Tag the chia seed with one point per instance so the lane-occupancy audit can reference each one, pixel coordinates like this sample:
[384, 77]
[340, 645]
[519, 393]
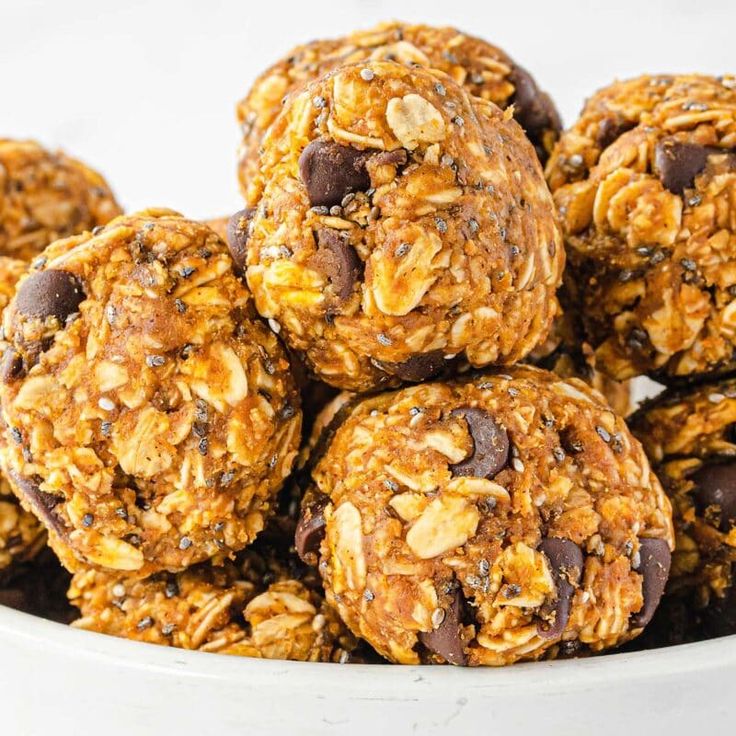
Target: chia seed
[185, 543]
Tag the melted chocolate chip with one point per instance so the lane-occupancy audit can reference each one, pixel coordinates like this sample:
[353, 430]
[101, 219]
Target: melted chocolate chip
[490, 444]
[310, 530]
[337, 259]
[43, 503]
[11, 366]
[49, 294]
[330, 171]
[419, 367]
[611, 129]
[677, 164]
[715, 492]
[655, 569]
[533, 109]
[446, 639]
[237, 236]
[566, 560]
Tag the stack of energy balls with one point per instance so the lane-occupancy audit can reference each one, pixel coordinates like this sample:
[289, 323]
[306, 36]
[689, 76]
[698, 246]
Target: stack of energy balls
[353, 421]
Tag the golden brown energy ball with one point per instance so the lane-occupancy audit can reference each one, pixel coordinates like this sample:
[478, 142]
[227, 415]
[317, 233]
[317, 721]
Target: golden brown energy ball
[503, 517]
[45, 196]
[151, 416]
[401, 225]
[484, 70]
[690, 437]
[255, 606]
[645, 182]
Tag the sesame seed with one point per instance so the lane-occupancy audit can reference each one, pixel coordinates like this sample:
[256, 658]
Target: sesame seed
[144, 623]
[106, 404]
[87, 520]
[575, 160]
[39, 262]
[187, 271]
[153, 361]
[111, 314]
[438, 616]
[603, 434]
[716, 398]
[185, 543]
[367, 74]
[447, 160]
[392, 485]
[402, 250]
[227, 477]
[440, 89]
[274, 325]
[473, 225]
[118, 590]
[415, 410]
[368, 595]
[559, 454]
[484, 567]
[517, 465]
[695, 200]
[319, 102]
[384, 339]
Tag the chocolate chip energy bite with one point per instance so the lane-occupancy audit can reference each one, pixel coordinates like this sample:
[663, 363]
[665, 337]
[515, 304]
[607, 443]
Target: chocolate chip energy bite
[504, 517]
[690, 436]
[645, 183]
[256, 606]
[401, 224]
[45, 196]
[151, 416]
[484, 70]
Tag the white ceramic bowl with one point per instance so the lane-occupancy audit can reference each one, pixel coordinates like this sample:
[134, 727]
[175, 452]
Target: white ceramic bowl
[60, 681]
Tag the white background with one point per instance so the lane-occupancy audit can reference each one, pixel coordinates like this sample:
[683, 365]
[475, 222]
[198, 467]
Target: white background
[144, 90]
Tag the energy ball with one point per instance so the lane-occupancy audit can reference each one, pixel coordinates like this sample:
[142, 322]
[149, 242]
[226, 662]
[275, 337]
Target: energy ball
[45, 196]
[256, 606]
[503, 517]
[151, 416]
[219, 225]
[402, 226]
[484, 70]
[645, 182]
[690, 437]
[21, 535]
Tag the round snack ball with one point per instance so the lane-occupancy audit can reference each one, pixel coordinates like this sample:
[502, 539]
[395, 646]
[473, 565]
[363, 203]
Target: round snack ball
[484, 70]
[45, 196]
[484, 521]
[151, 415]
[256, 606]
[644, 182]
[401, 224]
[219, 225]
[690, 437]
[21, 535]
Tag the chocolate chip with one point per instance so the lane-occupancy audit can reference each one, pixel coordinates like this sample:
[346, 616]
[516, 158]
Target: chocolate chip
[533, 109]
[566, 560]
[611, 129]
[715, 491]
[490, 444]
[655, 569]
[337, 259]
[446, 639]
[677, 164]
[49, 294]
[310, 530]
[237, 235]
[43, 504]
[11, 366]
[330, 171]
[417, 368]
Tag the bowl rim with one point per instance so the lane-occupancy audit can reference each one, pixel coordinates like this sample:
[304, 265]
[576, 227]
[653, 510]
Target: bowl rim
[44, 638]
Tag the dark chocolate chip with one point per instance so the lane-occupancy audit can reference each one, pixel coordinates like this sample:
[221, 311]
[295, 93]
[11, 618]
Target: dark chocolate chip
[337, 259]
[43, 503]
[49, 294]
[715, 490]
[330, 171]
[677, 164]
[490, 444]
[654, 568]
[446, 639]
[566, 560]
[419, 367]
[533, 109]
[237, 236]
[611, 129]
[11, 366]
[310, 530]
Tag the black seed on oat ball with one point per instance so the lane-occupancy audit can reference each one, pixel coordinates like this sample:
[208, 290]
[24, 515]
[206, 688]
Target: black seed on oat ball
[446, 639]
[490, 445]
[49, 294]
[330, 171]
[566, 560]
[237, 235]
[655, 569]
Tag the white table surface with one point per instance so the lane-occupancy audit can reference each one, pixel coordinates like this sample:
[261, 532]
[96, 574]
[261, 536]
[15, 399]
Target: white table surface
[144, 90]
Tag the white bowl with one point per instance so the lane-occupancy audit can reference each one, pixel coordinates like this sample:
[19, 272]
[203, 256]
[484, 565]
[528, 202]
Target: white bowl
[57, 680]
